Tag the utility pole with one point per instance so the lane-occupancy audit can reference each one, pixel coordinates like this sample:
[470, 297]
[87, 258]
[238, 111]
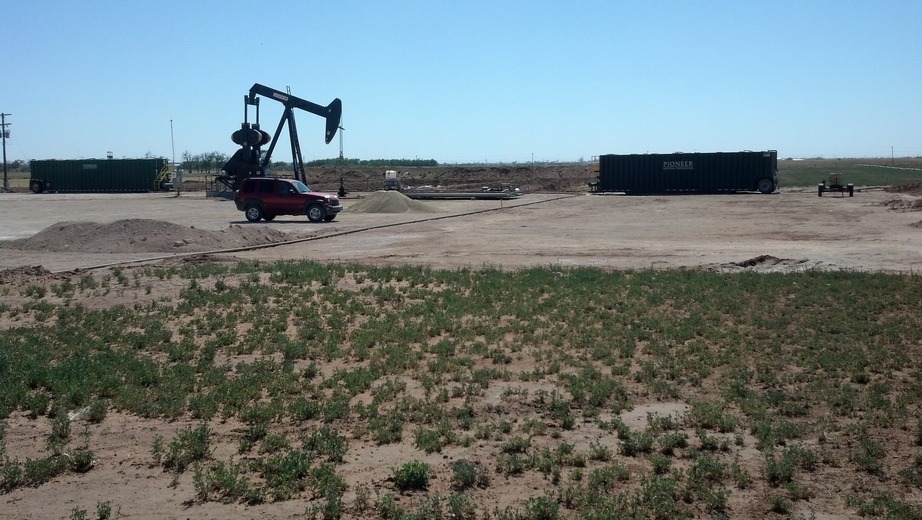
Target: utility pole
[177, 172]
[6, 133]
[341, 130]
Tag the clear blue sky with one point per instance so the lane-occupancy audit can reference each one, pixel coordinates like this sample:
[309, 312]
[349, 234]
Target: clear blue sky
[467, 81]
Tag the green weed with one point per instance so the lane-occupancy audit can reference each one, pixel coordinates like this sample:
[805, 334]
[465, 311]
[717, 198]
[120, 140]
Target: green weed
[467, 475]
[190, 445]
[868, 455]
[413, 475]
[461, 507]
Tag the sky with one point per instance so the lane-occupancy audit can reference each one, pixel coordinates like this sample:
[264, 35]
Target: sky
[496, 81]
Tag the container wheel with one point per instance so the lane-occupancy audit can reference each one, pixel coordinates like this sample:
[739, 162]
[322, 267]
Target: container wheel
[316, 213]
[269, 217]
[329, 218]
[37, 186]
[766, 186]
[253, 213]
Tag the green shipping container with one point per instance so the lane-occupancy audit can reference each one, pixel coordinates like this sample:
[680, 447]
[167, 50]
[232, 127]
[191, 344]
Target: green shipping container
[95, 175]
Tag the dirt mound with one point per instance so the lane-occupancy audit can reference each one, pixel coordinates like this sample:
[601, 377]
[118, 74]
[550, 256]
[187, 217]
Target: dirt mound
[768, 264]
[903, 204]
[911, 188]
[142, 236]
[8, 276]
[766, 260]
[390, 202]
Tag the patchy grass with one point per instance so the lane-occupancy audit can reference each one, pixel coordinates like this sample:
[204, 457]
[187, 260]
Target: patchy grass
[790, 380]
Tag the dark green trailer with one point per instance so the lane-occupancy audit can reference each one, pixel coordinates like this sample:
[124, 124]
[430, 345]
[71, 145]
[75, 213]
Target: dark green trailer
[718, 172]
[98, 175]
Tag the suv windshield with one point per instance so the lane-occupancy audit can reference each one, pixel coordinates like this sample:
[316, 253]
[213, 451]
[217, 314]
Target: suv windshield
[301, 187]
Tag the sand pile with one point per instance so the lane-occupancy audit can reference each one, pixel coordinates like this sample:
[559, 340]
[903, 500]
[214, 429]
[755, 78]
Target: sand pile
[142, 236]
[390, 202]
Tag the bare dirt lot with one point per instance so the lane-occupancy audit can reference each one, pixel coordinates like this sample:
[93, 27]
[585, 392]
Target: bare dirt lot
[794, 230]
[876, 230]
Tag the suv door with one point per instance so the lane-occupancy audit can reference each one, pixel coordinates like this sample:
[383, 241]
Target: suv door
[266, 192]
[288, 198]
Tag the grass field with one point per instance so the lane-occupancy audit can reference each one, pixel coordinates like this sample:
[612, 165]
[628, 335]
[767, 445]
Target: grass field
[792, 381]
[860, 172]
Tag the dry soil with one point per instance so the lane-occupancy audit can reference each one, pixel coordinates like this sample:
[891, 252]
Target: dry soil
[875, 230]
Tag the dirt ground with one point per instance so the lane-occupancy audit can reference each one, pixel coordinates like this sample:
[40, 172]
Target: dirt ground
[875, 230]
[793, 230]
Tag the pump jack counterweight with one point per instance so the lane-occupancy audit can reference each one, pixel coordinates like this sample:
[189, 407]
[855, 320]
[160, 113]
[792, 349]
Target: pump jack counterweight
[249, 160]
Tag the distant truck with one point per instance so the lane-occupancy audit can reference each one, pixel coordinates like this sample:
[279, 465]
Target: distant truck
[99, 175]
[718, 172]
[391, 181]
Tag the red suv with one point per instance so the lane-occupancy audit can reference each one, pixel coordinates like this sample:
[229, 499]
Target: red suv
[265, 197]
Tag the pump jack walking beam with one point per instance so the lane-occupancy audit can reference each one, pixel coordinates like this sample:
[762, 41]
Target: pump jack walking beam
[249, 160]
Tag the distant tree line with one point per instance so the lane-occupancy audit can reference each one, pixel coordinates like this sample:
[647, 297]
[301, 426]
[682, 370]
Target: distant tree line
[213, 161]
[203, 162]
[17, 166]
[371, 162]
[206, 163]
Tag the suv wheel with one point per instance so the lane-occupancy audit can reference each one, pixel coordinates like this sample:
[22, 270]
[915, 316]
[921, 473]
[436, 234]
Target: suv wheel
[316, 213]
[253, 213]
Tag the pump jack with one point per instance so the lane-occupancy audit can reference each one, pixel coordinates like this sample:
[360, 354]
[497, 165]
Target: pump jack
[249, 160]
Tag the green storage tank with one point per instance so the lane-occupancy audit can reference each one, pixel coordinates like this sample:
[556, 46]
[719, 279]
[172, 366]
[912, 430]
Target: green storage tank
[96, 175]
